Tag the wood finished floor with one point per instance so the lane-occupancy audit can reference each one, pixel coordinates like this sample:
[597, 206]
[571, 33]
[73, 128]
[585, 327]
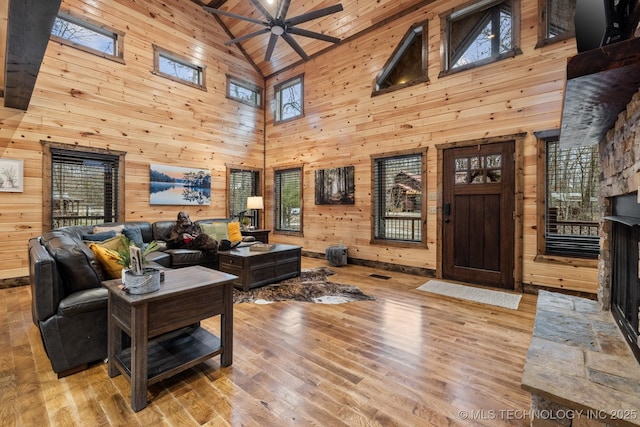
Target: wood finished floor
[409, 358]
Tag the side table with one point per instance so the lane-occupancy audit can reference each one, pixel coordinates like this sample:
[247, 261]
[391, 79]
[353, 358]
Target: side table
[164, 327]
[260, 234]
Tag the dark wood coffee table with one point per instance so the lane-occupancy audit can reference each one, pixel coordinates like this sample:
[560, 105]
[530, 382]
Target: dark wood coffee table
[164, 326]
[258, 268]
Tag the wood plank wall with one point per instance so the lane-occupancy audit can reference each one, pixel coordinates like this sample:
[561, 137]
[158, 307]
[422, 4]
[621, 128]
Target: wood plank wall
[344, 125]
[86, 100]
[81, 99]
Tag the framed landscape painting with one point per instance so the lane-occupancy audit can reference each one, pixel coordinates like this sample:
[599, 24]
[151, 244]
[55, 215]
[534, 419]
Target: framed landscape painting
[176, 185]
[335, 186]
[12, 175]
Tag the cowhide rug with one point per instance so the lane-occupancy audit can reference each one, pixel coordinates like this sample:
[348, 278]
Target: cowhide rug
[311, 286]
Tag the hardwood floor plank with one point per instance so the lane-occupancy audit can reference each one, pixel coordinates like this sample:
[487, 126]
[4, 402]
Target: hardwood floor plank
[407, 358]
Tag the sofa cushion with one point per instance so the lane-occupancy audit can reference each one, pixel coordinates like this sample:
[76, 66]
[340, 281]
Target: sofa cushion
[217, 230]
[185, 257]
[162, 230]
[84, 301]
[99, 237]
[134, 234]
[109, 260]
[76, 263]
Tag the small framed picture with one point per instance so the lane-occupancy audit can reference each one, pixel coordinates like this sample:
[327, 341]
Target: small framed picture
[11, 175]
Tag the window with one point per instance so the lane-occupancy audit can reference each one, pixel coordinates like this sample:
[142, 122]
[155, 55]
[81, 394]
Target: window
[177, 68]
[85, 186]
[571, 206]
[479, 34]
[398, 183]
[87, 36]
[289, 99]
[556, 20]
[243, 183]
[407, 66]
[288, 200]
[244, 92]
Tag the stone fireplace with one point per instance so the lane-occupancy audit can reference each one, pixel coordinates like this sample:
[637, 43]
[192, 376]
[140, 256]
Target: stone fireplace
[618, 265]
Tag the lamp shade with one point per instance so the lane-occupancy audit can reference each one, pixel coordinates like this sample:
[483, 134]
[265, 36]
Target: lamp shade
[255, 202]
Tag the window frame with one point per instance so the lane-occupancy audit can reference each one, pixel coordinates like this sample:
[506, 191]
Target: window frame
[398, 53]
[543, 138]
[543, 27]
[257, 90]
[98, 28]
[277, 92]
[47, 187]
[277, 201]
[182, 60]
[255, 191]
[375, 158]
[472, 7]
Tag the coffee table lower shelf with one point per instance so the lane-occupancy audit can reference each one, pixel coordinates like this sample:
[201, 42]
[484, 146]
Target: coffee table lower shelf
[173, 353]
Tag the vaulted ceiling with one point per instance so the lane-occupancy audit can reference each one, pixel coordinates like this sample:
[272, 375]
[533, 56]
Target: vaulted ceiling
[29, 22]
[356, 18]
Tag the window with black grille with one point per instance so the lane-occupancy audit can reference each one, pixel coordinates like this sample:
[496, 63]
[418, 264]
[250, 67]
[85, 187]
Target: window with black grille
[288, 200]
[397, 198]
[84, 187]
[572, 206]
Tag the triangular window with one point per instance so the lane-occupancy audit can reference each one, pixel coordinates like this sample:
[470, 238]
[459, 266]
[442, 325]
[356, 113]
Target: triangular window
[407, 65]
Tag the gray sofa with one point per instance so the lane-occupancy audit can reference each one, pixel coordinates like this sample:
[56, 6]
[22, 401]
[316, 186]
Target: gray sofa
[69, 304]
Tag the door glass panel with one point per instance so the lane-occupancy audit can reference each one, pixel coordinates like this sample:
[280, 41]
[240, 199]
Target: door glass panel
[478, 169]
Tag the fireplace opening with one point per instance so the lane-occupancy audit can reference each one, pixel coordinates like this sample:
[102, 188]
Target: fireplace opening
[625, 283]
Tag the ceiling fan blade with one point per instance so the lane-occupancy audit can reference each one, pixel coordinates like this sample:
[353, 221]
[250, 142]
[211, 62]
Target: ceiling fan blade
[295, 46]
[313, 15]
[282, 10]
[247, 36]
[262, 10]
[272, 44]
[233, 15]
[313, 35]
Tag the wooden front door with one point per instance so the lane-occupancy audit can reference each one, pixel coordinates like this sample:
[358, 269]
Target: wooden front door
[478, 214]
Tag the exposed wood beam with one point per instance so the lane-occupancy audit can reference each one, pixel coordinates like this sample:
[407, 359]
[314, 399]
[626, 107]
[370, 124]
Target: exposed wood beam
[28, 30]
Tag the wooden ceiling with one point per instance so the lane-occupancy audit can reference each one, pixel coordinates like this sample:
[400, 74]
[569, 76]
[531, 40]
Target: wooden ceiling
[356, 18]
[28, 26]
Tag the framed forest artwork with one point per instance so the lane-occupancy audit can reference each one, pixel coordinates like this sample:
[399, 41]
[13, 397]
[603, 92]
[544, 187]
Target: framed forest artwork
[335, 186]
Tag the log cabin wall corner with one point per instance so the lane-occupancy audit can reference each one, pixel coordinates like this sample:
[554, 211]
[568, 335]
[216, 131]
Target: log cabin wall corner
[85, 100]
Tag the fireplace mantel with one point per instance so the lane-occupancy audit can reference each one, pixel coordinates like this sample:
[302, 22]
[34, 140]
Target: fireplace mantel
[600, 83]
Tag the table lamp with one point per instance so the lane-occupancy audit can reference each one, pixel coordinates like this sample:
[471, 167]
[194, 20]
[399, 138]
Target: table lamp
[255, 202]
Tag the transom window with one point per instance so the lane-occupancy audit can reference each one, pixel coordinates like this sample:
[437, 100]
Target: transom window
[407, 65]
[87, 36]
[571, 205]
[397, 198]
[481, 33]
[556, 20]
[288, 200]
[178, 68]
[289, 99]
[245, 92]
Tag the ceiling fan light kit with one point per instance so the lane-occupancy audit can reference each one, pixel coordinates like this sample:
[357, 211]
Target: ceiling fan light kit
[280, 26]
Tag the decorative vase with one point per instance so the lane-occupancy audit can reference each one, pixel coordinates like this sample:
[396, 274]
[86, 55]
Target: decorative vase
[144, 283]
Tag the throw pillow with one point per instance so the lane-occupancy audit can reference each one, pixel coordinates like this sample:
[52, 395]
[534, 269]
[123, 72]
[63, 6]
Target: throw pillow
[116, 244]
[233, 229]
[101, 228]
[99, 237]
[108, 260]
[217, 230]
[135, 235]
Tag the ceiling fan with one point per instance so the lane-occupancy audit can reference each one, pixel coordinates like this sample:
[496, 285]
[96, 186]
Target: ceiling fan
[279, 26]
